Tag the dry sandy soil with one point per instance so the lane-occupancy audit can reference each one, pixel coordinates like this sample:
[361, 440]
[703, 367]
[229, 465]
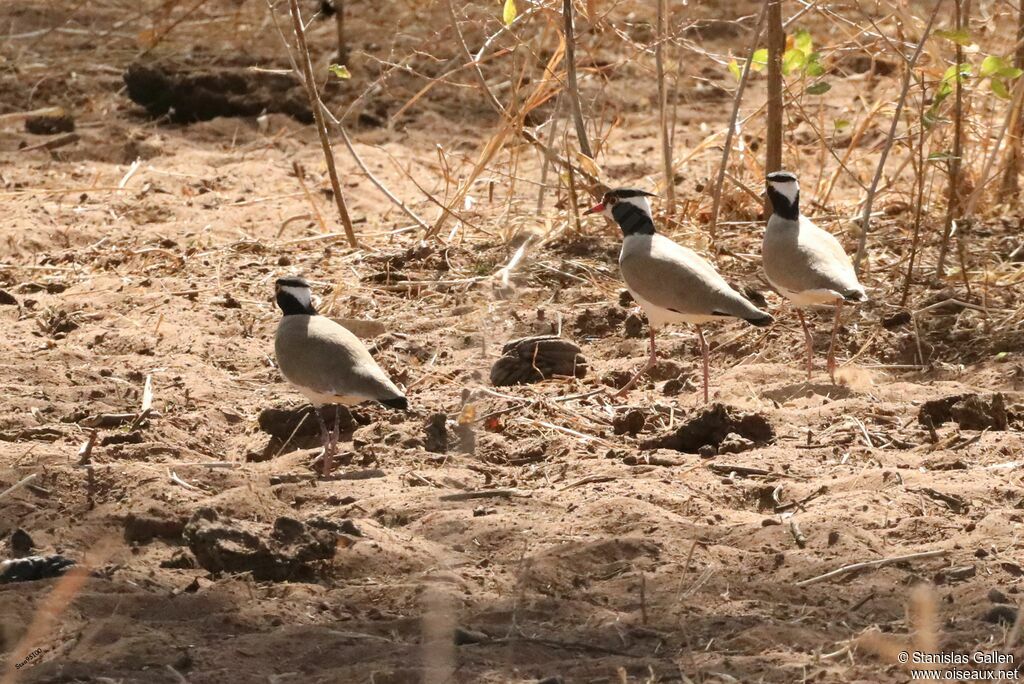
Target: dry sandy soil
[592, 556]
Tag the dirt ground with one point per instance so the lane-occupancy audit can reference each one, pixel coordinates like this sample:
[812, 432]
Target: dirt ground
[543, 533]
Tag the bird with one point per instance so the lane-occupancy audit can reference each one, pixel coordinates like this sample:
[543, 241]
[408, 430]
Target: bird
[804, 263]
[326, 362]
[671, 283]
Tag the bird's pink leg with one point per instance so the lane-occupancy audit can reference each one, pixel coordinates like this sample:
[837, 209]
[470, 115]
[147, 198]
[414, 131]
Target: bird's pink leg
[704, 353]
[832, 345]
[809, 341]
[325, 435]
[650, 364]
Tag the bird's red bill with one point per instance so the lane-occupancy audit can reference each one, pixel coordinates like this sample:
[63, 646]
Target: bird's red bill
[596, 209]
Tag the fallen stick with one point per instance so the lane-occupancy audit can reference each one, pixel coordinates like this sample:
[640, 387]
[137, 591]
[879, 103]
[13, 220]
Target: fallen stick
[484, 494]
[865, 565]
[729, 468]
[53, 143]
[109, 420]
[18, 485]
[589, 479]
[85, 452]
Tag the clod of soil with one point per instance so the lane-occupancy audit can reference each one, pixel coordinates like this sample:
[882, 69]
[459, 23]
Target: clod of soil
[1001, 615]
[200, 94]
[436, 433]
[633, 326]
[21, 543]
[897, 320]
[711, 427]
[283, 422]
[533, 359]
[33, 568]
[599, 322]
[968, 411]
[735, 444]
[7, 299]
[285, 552]
[152, 524]
[57, 120]
[630, 422]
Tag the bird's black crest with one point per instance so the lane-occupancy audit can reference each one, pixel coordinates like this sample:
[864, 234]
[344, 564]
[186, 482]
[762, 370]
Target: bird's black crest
[781, 176]
[623, 193]
[292, 281]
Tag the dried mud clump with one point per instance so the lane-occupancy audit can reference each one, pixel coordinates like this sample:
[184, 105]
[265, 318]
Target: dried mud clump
[56, 120]
[436, 433]
[152, 524]
[533, 359]
[968, 411]
[630, 422]
[302, 422]
[285, 552]
[600, 322]
[713, 426]
[200, 94]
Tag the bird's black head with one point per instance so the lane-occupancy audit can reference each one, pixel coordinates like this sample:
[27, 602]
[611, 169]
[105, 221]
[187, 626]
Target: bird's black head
[784, 192]
[293, 296]
[629, 208]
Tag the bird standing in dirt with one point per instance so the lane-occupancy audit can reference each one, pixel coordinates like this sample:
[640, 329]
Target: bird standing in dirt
[806, 264]
[326, 362]
[672, 283]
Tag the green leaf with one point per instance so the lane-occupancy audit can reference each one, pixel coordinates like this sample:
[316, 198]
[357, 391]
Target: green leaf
[961, 37]
[802, 41]
[509, 12]
[950, 74]
[819, 88]
[340, 70]
[945, 155]
[814, 67]
[991, 65]
[792, 60]
[734, 69]
[760, 59]
[1010, 72]
[999, 88]
[841, 124]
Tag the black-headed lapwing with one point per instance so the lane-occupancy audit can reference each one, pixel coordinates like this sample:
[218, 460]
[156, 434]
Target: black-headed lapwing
[806, 264]
[324, 361]
[672, 283]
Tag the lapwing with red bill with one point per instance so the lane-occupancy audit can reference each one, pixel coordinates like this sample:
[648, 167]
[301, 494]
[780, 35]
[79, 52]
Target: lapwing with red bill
[671, 283]
[804, 263]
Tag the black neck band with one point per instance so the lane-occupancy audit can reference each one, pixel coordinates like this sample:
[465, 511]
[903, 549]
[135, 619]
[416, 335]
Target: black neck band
[292, 306]
[632, 219]
[782, 206]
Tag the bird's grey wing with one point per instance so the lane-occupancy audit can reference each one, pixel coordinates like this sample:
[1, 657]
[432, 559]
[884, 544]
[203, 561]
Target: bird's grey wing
[674, 277]
[809, 259]
[329, 359]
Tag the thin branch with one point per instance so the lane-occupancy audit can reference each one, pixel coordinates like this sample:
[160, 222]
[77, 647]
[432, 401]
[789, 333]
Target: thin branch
[380, 186]
[574, 91]
[666, 139]
[866, 219]
[880, 563]
[953, 200]
[318, 117]
[738, 98]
